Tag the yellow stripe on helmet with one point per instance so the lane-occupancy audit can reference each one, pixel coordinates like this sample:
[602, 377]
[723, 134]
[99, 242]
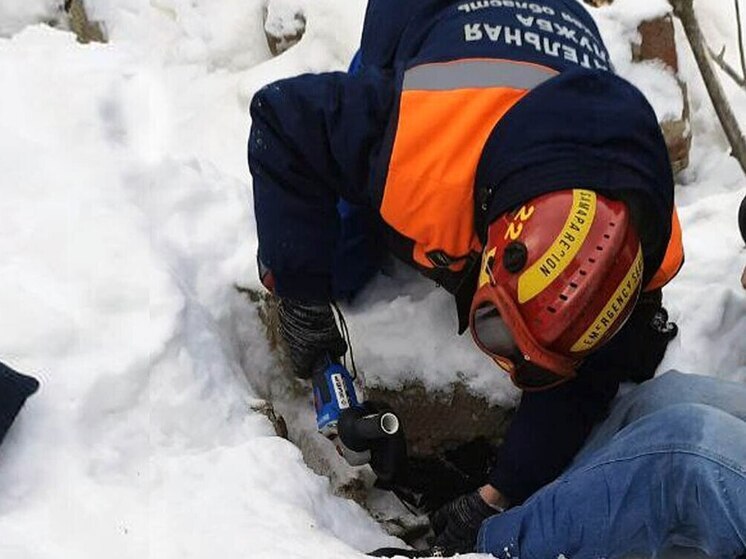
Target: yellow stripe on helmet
[622, 297]
[564, 248]
[485, 272]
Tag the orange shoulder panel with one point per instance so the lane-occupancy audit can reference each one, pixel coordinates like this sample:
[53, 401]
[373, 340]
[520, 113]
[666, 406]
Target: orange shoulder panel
[673, 259]
[447, 111]
[429, 193]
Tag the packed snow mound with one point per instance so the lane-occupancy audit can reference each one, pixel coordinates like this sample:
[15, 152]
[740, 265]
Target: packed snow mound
[128, 219]
[117, 289]
[17, 14]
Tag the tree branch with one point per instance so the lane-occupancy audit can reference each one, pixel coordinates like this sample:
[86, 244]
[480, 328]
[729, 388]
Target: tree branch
[684, 10]
[740, 38]
[727, 68]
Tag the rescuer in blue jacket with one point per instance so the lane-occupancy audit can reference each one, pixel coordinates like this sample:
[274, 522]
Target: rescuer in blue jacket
[508, 163]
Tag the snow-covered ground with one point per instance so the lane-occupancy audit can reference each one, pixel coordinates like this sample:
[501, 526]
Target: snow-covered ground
[127, 219]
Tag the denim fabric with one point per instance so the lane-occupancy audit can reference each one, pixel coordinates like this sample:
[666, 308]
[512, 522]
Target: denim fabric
[665, 390]
[667, 469]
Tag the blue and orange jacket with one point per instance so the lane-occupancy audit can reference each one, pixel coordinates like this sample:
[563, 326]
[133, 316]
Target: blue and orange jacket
[461, 111]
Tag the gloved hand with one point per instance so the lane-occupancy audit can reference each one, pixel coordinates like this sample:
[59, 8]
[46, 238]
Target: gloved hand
[309, 332]
[456, 524]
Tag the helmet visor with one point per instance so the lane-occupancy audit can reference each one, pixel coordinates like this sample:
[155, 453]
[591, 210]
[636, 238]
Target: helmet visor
[492, 335]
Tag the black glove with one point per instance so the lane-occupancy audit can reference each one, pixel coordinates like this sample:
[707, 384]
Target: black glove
[456, 524]
[309, 332]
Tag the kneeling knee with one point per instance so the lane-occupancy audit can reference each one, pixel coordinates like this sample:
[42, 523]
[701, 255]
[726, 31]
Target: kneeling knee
[670, 388]
[699, 425]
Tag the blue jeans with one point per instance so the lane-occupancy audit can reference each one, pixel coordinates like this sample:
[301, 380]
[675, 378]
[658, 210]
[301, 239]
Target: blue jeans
[667, 469]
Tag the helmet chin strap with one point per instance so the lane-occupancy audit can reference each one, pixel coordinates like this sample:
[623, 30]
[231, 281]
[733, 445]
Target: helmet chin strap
[464, 293]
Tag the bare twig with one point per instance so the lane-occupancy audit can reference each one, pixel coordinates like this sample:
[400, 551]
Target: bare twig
[727, 68]
[684, 10]
[740, 38]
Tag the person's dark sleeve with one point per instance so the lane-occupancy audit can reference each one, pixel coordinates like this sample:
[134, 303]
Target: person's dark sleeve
[15, 388]
[548, 429]
[313, 138]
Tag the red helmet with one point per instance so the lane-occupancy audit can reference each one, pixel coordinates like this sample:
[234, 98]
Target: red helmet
[559, 277]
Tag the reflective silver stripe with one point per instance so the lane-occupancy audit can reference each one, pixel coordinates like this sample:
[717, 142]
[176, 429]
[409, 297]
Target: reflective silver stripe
[476, 74]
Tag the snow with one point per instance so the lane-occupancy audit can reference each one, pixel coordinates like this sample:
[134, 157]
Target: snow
[620, 20]
[127, 219]
[121, 246]
[17, 14]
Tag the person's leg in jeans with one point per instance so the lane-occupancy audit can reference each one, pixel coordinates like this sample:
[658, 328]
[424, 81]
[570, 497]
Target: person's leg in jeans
[662, 391]
[666, 472]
